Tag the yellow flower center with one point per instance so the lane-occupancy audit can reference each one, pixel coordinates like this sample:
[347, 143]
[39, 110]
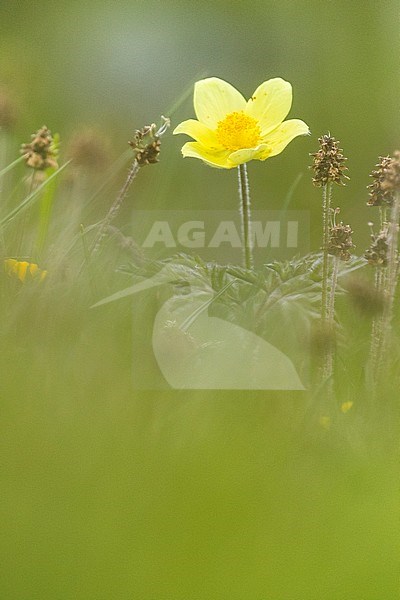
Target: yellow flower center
[238, 130]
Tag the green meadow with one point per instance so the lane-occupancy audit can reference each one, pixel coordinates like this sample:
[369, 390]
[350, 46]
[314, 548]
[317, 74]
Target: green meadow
[196, 420]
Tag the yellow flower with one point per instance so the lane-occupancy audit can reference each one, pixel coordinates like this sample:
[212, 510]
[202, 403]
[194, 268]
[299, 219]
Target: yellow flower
[23, 270]
[231, 131]
[346, 406]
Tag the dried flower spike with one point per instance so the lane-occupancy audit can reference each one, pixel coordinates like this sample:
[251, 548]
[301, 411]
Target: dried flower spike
[340, 241]
[377, 253]
[379, 193]
[329, 163]
[391, 182]
[41, 152]
[146, 148]
[384, 253]
[146, 143]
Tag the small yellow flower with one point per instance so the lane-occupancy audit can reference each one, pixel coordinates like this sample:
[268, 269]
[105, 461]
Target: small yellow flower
[23, 270]
[230, 131]
[346, 406]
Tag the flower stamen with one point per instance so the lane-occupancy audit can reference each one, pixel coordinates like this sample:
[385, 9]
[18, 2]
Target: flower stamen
[237, 131]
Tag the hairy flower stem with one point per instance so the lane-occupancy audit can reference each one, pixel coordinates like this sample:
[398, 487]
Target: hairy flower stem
[377, 327]
[391, 284]
[332, 292]
[330, 323]
[326, 208]
[114, 209]
[327, 299]
[245, 214]
[393, 248]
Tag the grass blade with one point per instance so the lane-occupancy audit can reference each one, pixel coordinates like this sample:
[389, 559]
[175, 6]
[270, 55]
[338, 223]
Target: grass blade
[11, 166]
[31, 197]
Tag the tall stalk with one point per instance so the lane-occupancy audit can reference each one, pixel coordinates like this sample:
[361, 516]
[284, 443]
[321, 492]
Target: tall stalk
[332, 291]
[384, 192]
[245, 214]
[146, 149]
[329, 168]
[326, 209]
[391, 281]
[377, 326]
[115, 207]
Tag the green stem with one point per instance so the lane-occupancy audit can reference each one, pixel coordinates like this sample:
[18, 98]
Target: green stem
[326, 299]
[326, 207]
[245, 214]
[393, 248]
[377, 329]
[31, 198]
[329, 357]
[112, 213]
[331, 306]
[25, 217]
[391, 283]
[46, 209]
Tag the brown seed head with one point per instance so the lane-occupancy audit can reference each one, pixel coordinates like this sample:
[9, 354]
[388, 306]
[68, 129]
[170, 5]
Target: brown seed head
[340, 241]
[377, 253]
[146, 143]
[328, 163]
[391, 182]
[40, 153]
[379, 195]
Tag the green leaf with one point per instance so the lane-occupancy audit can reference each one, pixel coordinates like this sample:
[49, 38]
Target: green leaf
[32, 197]
[11, 166]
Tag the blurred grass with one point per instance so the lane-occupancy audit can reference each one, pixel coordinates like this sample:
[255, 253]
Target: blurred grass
[115, 493]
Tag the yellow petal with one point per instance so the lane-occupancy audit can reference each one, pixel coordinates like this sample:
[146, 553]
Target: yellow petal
[22, 267]
[215, 159]
[10, 265]
[214, 99]
[239, 157]
[270, 103]
[33, 269]
[200, 132]
[278, 139]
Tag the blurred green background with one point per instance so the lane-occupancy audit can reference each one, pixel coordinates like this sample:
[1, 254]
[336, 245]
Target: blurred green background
[109, 493]
[121, 65]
